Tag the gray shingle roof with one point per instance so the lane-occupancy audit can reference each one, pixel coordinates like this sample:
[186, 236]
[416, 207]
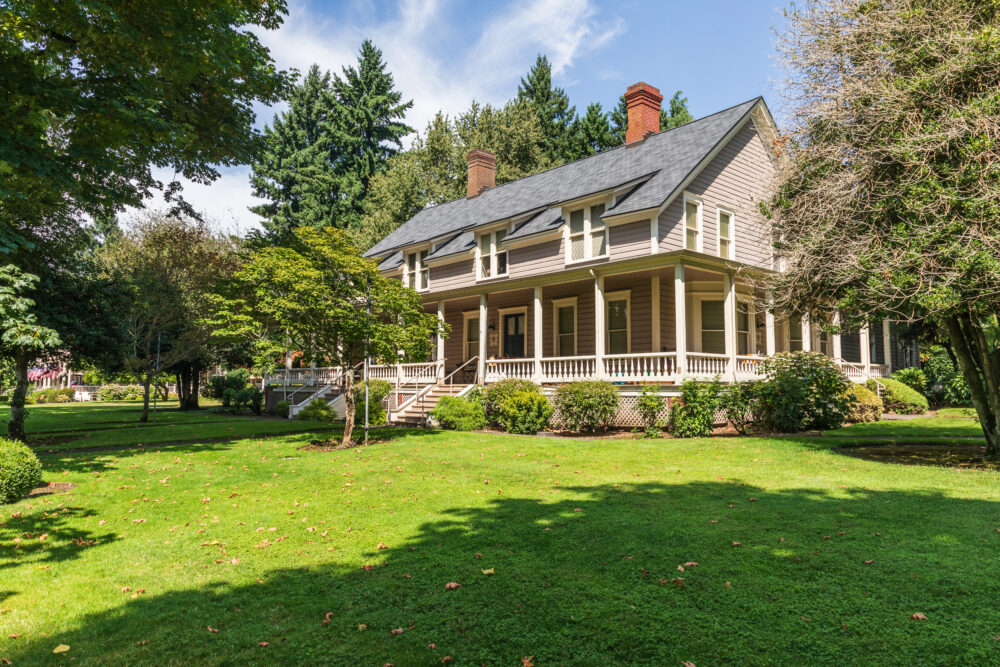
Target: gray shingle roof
[669, 156]
[462, 242]
[547, 220]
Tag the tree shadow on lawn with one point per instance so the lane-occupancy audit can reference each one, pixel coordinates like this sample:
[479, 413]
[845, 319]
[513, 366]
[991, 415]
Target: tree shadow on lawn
[44, 534]
[593, 579]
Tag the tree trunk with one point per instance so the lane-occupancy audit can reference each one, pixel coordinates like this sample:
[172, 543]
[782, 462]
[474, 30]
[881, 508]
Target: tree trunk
[146, 379]
[977, 364]
[191, 402]
[15, 428]
[349, 410]
[184, 386]
[180, 388]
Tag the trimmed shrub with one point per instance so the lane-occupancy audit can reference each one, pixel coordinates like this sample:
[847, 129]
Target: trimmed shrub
[20, 470]
[587, 406]
[318, 410]
[229, 398]
[693, 413]
[803, 390]
[459, 413]
[526, 413]
[282, 408]
[54, 395]
[120, 392]
[900, 398]
[495, 395]
[865, 406]
[914, 378]
[741, 404]
[255, 400]
[377, 390]
[650, 404]
[236, 379]
[945, 383]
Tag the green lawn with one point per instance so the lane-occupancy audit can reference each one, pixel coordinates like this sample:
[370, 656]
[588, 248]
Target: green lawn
[198, 554]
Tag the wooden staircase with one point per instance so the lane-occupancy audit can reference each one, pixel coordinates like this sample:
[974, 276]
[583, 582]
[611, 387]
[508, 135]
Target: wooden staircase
[415, 414]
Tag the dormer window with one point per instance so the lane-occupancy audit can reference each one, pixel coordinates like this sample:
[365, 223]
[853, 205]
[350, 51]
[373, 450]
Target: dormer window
[492, 259]
[588, 235]
[417, 274]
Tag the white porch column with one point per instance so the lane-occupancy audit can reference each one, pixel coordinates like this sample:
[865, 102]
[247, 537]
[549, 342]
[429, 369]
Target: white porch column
[886, 348]
[655, 291]
[440, 342]
[835, 339]
[729, 320]
[864, 342]
[680, 319]
[770, 346]
[538, 321]
[599, 312]
[482, 338]
[806, 333]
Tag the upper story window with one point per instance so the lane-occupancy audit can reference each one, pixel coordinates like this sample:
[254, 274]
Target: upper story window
[588, 235]
[692, 224]
[727, 231]
[417, 275]
[492, 260]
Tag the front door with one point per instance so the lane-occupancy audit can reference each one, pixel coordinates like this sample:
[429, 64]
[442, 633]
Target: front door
[513, 336]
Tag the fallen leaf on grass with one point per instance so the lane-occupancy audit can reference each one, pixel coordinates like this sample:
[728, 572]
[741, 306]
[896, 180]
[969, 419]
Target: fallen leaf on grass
[447, 658]
[381, 545]
[396, 632]
[869, 562]
[488, 571]
[451, 585]
[263, 644]
[213, 630]
[737, 544]
[687, 663]
[526, 661]
[326, 618]
[679, 581]
[918, 617]
[142, 643]
[62, 648]
[367, 568]
[362, 627]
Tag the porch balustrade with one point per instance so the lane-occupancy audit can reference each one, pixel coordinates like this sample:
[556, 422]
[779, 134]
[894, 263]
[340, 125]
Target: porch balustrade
[641, 367]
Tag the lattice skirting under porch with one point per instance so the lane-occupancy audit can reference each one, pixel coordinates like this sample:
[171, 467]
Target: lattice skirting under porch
[628, 407]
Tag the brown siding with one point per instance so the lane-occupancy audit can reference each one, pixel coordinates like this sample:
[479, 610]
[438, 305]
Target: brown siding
[629, 240]
[453, 316]
[584, 291]
[450, 276]
[498, 300]
[737, 179]
[536, 260]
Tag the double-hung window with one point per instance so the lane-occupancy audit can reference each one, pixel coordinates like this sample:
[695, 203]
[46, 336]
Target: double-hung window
[692, 224]
[417, 274]
[618, 323]
[795, 333]
[492, 260]
[564, 326]
[726, 224]
[588, 234]
[744, 329]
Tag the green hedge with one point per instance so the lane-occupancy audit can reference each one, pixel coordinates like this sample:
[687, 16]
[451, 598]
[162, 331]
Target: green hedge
[377, 390]
[587, 406]
[692, 415]
[495, 395]
[53, 395]
[525, 412]
[899, 398]
[866, 406]
[459, 413]
[20, 470]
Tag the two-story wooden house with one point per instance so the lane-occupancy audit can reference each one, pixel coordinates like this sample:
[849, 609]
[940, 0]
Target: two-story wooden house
[631, 265]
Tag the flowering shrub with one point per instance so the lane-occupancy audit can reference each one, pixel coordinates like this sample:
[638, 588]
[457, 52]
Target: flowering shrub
[120, 392]
[587, 406]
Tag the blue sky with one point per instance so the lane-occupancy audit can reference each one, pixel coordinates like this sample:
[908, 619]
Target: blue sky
[445, 53]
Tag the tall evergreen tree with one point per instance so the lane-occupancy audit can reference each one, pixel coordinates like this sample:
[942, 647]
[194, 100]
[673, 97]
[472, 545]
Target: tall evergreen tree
[557, 118]
[674, 115]
[370, 128]
[595, 131]
[297, 171]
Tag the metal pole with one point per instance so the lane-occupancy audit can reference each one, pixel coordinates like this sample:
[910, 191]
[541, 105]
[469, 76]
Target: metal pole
[368, 312]
[156, 376]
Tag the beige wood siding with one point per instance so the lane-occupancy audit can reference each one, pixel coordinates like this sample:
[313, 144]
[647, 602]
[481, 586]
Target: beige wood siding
[629, 240]
[584, 291]
[536, 260]
[450, 276]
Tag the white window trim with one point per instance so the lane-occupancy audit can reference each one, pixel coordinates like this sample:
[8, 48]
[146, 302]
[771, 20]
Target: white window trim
[510, 311]
[466, 316]
[556, 305]
[412, 280]
[751, 322]
[588, 246]
[700, 244]
[732, 231]
[620, 295]
[493, 254]
[694, 316]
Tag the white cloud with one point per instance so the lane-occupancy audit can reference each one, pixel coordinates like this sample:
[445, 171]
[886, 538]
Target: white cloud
[430, 57]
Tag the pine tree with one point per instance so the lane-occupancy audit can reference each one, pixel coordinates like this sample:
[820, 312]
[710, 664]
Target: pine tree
[595, 131]
[557, 118]
[677, 115]
[296, 173]
[369, 128]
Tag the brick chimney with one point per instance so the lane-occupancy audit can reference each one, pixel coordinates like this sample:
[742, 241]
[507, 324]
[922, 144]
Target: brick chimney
[482, 172]
[643, 103]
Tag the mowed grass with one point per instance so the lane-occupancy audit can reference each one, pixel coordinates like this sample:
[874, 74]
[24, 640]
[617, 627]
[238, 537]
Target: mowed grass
[203, 554]
[57, 427]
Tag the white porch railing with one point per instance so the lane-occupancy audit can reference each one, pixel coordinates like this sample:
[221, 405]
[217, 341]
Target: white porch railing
[641, 367]
[293, 376]
[421, 373]
[702, 365]
[879, 371]
[568, 369]
[506, 369]
[749, 367]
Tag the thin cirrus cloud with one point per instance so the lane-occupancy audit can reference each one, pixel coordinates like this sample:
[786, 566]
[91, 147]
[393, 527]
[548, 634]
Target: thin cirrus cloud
[440, 57]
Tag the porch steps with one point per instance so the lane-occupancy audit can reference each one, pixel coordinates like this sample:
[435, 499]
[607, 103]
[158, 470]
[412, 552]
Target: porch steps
[329, 393]
[415, 413]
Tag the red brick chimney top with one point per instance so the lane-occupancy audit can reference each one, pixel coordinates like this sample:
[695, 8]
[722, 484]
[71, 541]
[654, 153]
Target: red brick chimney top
[643, 101]
[482, 172]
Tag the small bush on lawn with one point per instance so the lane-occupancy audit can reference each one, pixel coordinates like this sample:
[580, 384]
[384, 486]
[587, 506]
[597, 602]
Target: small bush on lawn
[53, 395]
[866, 406]
[377, 390]
[526, 413]
[229, 398]
[692, 415]
[459, 413]
[914, 378]
[20, 470]
[741, 404]
[495, 395]
[236, 379]
[318, 410]
[803, 390]
[945, 383]
[282, 408]
[587, 406]
[120, 392]
[900, 398]
[651, 403]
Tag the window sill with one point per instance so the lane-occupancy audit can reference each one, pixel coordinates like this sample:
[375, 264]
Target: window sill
[502, 276]
[589, 260]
